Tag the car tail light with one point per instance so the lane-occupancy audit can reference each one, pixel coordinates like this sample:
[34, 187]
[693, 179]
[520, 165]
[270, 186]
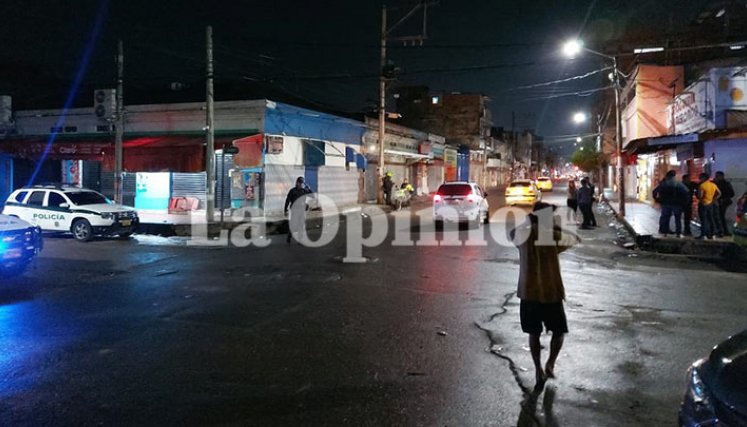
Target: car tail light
[437, 198]
[471, 198]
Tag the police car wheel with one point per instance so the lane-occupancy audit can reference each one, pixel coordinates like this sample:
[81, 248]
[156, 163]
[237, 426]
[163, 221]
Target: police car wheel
[82, 230]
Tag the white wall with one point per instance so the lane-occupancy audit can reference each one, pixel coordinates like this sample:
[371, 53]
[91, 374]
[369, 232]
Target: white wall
[292, 153]
[335, 152]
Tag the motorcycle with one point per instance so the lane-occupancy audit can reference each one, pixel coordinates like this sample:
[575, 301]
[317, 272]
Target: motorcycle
[400, 198]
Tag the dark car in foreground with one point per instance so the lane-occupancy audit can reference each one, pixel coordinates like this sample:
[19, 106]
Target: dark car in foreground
[19, 244]
[717, 387]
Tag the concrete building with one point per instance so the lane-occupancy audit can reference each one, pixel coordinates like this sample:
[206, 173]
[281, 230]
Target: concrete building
[164, 153]
[463, 119]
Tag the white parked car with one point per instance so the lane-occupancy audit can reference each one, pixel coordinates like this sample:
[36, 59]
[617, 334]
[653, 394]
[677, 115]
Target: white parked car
[85, 213]
[19, 244]
[460, 201]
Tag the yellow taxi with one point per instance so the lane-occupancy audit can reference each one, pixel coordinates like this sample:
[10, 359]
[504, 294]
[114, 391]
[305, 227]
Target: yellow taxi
[544, 183]
[522, 192]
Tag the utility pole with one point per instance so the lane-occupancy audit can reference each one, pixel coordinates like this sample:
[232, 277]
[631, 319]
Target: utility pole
[210, 140]
[119, 126]
[619, 144]
[382, 106]
[385, 32]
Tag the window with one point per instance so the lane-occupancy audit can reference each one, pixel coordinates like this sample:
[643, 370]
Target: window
[455, 190]
[435, 100]
[55, 200]
[36, 198]
[87, 198]
[20, 196]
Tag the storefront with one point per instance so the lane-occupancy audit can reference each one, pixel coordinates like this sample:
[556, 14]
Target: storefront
[164, 154]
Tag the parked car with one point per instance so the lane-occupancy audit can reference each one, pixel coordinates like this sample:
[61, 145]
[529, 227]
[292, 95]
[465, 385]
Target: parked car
[522, 192]
[20, 242]
[84, 213]
[716, 392]
[544, 183]
[460, 201]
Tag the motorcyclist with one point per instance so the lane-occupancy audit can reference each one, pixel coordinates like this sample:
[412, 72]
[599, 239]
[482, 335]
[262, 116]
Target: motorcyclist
[407, 187]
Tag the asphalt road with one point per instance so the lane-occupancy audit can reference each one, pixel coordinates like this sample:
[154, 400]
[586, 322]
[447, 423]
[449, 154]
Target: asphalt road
[150, 331]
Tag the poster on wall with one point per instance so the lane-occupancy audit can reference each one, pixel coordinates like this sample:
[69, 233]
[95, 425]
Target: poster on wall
[72, 172]
[152, 190]
[274, 144]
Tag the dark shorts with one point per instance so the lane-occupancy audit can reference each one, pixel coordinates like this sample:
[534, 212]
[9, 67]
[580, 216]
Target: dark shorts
[534, 314]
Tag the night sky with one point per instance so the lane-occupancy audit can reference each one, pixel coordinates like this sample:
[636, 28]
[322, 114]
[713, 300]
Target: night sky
[325, 53]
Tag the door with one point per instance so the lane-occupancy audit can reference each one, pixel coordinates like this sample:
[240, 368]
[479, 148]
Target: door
[35, 212]
[57, 212]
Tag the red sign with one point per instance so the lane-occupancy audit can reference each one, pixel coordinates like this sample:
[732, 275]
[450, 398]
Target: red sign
[57, 150]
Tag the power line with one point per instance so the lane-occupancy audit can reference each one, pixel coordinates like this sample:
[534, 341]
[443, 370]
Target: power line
[550, 83]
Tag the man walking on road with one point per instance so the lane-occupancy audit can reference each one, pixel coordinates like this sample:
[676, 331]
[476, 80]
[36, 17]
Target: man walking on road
[296, 200]
[540, 285]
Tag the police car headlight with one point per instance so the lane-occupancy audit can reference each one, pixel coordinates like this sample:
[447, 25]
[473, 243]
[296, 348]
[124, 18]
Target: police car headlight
[107, 215]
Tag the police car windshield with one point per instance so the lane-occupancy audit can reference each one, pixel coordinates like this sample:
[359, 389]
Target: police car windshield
[87, 198]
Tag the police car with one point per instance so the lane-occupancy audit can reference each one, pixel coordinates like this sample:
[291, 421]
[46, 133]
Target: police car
[85, 213]
[19, 244]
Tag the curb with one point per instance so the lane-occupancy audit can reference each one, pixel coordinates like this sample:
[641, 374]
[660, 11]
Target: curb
[687, 246]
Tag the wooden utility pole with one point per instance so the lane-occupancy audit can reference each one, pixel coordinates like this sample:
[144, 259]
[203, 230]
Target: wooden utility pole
[210, 132]
[119, 126]
[385, 32]
[382, 107]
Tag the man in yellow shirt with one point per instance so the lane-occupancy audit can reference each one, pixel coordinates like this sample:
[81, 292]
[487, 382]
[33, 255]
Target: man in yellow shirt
[708, 193]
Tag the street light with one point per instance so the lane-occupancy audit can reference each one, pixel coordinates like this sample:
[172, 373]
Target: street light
[579, 118]
[575, 47]
[579, 139]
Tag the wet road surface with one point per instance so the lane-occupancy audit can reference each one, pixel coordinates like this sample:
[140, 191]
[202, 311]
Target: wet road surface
[150, 331]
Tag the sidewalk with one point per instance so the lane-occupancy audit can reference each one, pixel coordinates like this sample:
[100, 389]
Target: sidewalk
[642, 219]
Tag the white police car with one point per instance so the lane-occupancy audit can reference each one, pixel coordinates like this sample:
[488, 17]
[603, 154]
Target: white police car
[19, 244]
[85, 213]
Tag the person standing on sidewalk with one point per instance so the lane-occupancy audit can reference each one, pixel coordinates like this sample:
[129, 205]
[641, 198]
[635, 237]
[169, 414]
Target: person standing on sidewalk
[585, 197]
[708, 194]
[572, 201]
[296, 200]
[387, 185]
[727, 194]
[687, 207]
[672, 195]
[593, 200]
[540, 286]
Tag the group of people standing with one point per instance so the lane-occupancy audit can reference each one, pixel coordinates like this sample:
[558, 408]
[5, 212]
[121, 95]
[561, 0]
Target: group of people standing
[582, 198]
[676, 199]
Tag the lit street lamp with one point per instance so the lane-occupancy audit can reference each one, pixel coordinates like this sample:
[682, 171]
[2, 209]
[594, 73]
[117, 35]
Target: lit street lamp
[573, 48]
[579, 118]
[579, 139]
